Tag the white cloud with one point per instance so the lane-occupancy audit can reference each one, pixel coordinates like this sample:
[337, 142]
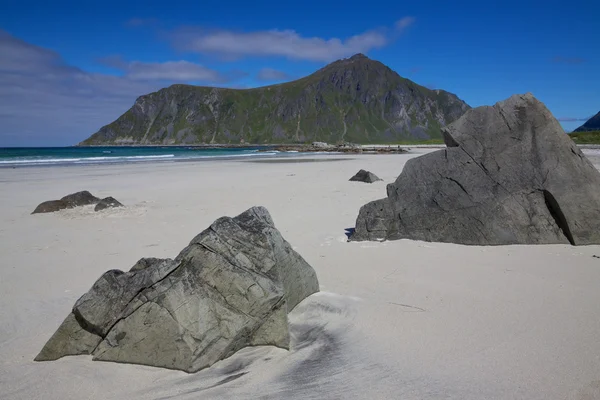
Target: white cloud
[285, 43]
[171, 70]
[404, 23]
[270, 74]
[44, 101]
[178, 71]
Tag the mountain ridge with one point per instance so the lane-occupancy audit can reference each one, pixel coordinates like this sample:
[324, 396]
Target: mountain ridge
[592, 124]
[354, 99]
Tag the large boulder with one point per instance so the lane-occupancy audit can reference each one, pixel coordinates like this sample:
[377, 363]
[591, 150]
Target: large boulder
[509, 175]
[72, 200]
[231, 287]
[365, 176]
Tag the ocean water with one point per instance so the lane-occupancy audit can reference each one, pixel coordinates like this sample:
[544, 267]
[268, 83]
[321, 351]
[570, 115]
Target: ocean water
[64, 156]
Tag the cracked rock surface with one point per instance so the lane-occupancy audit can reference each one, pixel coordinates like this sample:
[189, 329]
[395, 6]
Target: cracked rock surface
[509, 175]
[231, 287]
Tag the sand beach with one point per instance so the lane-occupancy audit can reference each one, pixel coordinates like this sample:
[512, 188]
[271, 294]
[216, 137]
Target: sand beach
[394, 320]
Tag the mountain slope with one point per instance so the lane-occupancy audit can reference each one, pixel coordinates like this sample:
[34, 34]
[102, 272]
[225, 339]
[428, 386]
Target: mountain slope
[592, 124]
[356, 99]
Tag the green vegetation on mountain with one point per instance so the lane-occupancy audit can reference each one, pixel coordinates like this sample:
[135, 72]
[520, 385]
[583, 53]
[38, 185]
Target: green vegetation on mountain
[586, 137]
[351, 100]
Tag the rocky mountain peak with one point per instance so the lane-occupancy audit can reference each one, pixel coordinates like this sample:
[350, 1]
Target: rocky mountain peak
[359, 56]
[355, 99]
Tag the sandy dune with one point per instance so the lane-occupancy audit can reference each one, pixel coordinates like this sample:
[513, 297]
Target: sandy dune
[394, 320]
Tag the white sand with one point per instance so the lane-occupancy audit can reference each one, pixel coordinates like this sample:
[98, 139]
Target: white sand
[394, 320]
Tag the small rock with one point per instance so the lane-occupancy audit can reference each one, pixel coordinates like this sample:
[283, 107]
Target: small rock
[107, 202]
[320, 144]
[365, 176]
[82, 198]
[50, 206]
[72, 200]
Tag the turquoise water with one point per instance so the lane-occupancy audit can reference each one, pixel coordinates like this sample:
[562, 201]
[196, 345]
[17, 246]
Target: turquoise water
[48, 156]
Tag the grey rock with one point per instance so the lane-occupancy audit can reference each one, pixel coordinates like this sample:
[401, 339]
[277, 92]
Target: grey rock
[83, 198]
[107, 202]
[509, 175]
[50, 206]
[365, 176]
[72, 200]
[69, 340]
[147, 262]
[231, 287]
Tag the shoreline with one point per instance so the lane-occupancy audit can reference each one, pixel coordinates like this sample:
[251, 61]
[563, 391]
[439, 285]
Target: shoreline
[287, 147]
[174, 160]
[287, 153]
[248, 145]
[75, 156]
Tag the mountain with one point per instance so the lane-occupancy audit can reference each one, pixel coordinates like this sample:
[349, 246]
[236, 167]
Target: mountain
[592, 124]
[354, 100]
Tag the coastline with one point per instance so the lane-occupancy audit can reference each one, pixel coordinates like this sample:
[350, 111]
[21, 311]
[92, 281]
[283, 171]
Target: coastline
[300, 146]
[72, 156]
[102, 155]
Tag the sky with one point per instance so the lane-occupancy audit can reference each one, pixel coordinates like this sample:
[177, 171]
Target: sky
[68, 68]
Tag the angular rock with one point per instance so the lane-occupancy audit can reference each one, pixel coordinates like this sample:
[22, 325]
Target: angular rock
[509, 175]
[72, 200]
[231, 287]
[107, 202]
[365, 176]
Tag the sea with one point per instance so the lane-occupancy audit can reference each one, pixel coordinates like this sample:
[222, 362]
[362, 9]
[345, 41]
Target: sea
[69, 156]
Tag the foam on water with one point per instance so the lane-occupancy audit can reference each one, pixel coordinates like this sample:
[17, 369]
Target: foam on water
[41, 157]
[89, 160]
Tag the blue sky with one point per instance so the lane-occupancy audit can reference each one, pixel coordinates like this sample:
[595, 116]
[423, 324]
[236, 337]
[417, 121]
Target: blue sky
[68, 68]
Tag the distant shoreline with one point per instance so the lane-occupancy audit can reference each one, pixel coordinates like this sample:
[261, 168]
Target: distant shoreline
[201, 146]
[302, 148]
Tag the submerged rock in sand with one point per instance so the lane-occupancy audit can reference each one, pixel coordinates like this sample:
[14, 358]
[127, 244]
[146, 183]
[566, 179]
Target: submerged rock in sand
[73, 200]
[231, 287]
[83, 198]
[107, 202]
[365, 176]
[50, 206]
[510, 175]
